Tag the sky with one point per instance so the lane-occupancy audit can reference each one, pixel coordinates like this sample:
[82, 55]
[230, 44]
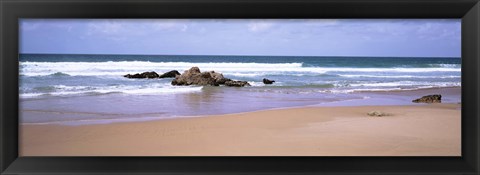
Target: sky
[275, 37]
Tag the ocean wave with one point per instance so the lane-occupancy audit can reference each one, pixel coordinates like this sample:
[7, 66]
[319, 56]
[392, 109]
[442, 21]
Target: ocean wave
[153, 89]
[238, 74]
[59, 74]
[347, 91]
[241, 69]
[405, 84]
[344, 90]
[281, 85]
[395, 76]
[265, 74]
[161, 89]
[446, 65]
[349, 87]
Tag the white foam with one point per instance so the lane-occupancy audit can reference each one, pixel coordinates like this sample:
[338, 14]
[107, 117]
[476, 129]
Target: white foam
[406, 83]
[256, 84]
[152, 89]
[395, 76]
[237, 74]
[385, 89]
[241, 69]
[446, 65]
[30, 95]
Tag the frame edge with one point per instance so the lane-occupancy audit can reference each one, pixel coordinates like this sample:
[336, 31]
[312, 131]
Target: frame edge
[473, 14]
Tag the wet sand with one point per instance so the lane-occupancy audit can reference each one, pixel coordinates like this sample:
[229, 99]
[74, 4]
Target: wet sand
[100, 109]
[410, 130]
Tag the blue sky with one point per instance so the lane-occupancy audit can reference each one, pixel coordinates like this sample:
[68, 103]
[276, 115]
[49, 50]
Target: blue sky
[297, 37]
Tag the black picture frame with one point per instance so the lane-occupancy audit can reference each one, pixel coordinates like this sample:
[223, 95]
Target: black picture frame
[12, 10]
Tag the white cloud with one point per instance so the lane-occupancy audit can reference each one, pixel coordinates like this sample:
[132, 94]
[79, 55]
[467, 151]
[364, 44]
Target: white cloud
[107, 29]
[162, 25]
[167, 24]
[425, 28]
[321, 22]
[437, 30]
[64, 26]
[104, 27]
[29, 25]
[259, 26]
[184, 28]
[121, 30]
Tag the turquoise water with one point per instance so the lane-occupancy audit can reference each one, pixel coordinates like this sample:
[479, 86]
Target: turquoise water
[73, 88]
[63, 75]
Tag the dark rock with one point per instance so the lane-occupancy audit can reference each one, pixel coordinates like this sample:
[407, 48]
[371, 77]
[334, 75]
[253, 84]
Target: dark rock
[236, 83]
[219, 79]
[171, 74]
[193, 76]
[429, 99]
[143, 75]
[177, 83]
[223, 80]
[267, 81]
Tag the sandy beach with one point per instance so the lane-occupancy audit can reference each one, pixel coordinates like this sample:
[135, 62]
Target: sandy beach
[410, 130]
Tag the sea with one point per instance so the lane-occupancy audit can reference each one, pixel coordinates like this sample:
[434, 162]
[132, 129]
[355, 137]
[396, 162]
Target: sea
[67, 88]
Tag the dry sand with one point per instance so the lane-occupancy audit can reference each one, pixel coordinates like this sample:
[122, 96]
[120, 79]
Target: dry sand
[423, 130]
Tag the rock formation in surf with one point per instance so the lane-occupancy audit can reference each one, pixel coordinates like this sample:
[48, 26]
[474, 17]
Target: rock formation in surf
[437, 98]
[236, 83]
[194, 76]
[170, 74]
[143, 75]
[267, 81]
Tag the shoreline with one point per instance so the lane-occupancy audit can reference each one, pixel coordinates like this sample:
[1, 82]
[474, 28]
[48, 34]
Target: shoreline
[381, 98]
[353, 92]
[411, 130]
